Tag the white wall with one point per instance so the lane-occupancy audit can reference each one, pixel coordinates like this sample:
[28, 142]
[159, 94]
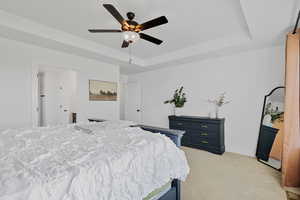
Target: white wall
[16, 66]
[245, 77]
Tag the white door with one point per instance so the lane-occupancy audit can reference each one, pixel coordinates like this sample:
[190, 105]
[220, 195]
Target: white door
[133, 110]
[41, 100]
[64, 110]
[51, 98]
[57, 98]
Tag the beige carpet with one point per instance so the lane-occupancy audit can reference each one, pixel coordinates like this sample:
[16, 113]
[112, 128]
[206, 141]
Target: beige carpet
[229, 177]
[293, 193]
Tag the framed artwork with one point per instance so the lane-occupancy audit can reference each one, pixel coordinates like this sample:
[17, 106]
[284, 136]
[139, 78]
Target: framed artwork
[102, 90]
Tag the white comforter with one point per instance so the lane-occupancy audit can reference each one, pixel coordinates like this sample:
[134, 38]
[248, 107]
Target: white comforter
[113, 162]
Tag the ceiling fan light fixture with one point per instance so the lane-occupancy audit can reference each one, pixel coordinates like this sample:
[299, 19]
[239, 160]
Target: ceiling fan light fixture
[132, 30]
[131, 36]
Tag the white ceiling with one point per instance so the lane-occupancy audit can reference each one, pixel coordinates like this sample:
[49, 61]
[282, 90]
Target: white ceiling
[196, 28]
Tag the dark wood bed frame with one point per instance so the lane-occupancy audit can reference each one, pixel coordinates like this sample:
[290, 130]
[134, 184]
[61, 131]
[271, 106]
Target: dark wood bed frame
[175, 136]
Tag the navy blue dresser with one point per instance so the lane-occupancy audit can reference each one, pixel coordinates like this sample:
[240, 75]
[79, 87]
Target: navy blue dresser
[201, 132]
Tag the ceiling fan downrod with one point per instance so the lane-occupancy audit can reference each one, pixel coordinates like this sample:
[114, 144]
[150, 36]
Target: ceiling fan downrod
[130, 55]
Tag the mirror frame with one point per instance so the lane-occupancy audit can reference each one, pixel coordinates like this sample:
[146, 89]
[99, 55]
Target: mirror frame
[261, 123]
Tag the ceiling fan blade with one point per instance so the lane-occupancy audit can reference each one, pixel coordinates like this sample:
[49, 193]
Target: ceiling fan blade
[114, 12]
[153, 23]
[125, 44]
[150, 38]
[104, 31]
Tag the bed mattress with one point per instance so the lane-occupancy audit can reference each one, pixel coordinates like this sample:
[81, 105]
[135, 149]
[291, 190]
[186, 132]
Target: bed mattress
[110, 162]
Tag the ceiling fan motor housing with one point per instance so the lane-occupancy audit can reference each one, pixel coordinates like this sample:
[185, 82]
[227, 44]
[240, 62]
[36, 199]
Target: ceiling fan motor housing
[130, 25]
[130, 15]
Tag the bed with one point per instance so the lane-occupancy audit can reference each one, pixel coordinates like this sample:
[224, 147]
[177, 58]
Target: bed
[93, 161]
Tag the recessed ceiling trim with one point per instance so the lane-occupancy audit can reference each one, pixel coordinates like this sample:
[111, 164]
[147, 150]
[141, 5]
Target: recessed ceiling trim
[206, 47]
[261, 29]
[22, 25]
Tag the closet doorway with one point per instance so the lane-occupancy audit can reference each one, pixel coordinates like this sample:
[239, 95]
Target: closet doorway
[56, 89]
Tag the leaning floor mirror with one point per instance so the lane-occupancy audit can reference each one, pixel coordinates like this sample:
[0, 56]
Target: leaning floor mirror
[270, 140]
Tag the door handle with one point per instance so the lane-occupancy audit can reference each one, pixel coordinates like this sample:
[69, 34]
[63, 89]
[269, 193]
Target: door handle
[138, 110]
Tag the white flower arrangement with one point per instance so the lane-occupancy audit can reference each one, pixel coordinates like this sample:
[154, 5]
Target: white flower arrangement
[219, 102]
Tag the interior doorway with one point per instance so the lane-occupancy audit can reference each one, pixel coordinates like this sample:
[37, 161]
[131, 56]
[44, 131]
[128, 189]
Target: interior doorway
[133, 111]
[56, 89]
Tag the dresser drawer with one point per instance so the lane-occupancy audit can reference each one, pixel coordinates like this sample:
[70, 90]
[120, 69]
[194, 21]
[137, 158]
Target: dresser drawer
[202, 141]
[202, 133]
[205, 126]
[177, 124]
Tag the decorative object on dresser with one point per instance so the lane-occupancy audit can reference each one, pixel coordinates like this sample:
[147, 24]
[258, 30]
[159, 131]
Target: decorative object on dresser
[178, 100]
[201, 132]
[218, 103]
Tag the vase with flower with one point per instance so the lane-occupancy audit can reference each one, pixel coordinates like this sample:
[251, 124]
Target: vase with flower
[218, 103]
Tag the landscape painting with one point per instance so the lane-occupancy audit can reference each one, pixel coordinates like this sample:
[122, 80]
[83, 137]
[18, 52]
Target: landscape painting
[102, 90]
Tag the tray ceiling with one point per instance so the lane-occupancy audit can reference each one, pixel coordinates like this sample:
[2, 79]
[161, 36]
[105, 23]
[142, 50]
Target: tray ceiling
[193, 25]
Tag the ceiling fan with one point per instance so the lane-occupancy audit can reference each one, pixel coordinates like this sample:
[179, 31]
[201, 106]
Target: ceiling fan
[131, 30]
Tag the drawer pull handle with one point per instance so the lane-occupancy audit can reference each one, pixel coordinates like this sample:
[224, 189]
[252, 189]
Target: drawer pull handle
[204, 142]
[204, 134]
[180, 124]
[204, 126]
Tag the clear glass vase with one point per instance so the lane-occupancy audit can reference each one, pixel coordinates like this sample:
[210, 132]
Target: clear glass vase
[217, 109]
[177, 111]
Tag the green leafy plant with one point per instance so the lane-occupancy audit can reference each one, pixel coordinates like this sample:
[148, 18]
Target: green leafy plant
[274, 112]
[179, 98]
